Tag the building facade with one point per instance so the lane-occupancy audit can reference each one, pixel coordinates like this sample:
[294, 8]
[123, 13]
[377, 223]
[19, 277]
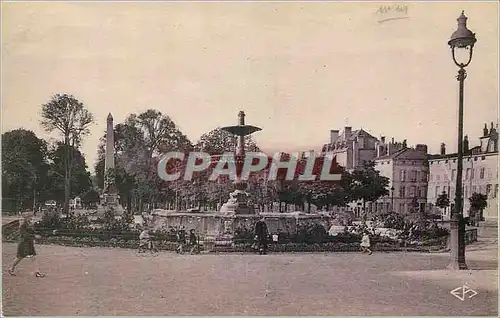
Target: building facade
[352, 148]
[480, 174]
[408, 171]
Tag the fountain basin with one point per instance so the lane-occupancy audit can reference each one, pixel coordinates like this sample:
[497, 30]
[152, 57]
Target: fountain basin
[216, 224]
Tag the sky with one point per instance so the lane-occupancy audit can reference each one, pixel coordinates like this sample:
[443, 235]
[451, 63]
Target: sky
[298, 70]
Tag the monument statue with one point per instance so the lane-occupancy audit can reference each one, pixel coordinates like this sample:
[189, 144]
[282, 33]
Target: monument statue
[110, 200]
[238, 202]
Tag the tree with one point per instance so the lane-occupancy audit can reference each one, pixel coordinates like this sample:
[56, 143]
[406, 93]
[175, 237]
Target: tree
[368, 185]
[68, 116]
[139, 142]
[24, 169]
[219, 141]
[80, 181]
[478, 202]
[443, 201]
[90, 198]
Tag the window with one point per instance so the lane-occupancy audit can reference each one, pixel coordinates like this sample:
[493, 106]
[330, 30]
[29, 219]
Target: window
[467, 173]
[495, 193]
[438, 188]
[423, 176]
[488, 190]
[453, 173]
[466, 192]
[402, 192]
[472, 174]
[403, 175]
[414, 176]
[438, 177]
[402, 208]
[474, 189]
[423, 192]
[481, 173]
[412, 191]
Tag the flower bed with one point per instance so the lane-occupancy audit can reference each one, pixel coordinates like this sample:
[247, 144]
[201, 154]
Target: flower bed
[307, 239]
[95, 241]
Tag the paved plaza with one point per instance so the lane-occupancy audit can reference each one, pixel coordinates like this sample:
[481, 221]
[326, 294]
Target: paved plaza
[100, 281]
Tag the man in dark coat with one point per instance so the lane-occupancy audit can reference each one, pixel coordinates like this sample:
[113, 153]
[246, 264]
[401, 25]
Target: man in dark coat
[261, 234]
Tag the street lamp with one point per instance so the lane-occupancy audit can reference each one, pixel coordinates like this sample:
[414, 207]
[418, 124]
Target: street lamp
[392, 199]
[462, 41]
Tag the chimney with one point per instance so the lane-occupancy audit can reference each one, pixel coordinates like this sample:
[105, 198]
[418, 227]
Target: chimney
[491, 128]
[485, 130]
[392, 140]
[421, 148]
[347, 132]
[404, 144]
[334, 135]
[443, 148]
[466, 144]
[382, 138]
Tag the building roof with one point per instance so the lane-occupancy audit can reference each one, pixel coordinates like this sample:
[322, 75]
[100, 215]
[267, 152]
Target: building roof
[405, 153]
[359, 133]
[466, 154]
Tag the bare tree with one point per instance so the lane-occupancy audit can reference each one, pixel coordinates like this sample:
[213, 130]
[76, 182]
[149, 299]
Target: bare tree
[68, 116]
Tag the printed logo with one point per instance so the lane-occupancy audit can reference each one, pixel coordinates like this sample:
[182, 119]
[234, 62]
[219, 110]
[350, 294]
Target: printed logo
[461, 292]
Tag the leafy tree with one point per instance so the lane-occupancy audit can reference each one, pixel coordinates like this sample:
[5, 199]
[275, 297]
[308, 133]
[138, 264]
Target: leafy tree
[219, 141]
[478, 202]
[443, 201]
[367, 184]
[80, 181]
[68, 116]
[139, 141]
[90, 198]
[24, 169]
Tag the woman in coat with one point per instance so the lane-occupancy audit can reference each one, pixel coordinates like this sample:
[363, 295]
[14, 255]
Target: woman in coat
[26, 245]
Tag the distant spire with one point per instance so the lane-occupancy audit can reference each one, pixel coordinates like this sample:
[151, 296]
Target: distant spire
[110, 117]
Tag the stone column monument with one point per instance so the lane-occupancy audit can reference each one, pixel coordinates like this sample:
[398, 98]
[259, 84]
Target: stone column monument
[110, 200]
[238, 202]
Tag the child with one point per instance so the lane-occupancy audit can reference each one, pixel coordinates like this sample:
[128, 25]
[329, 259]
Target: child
[26, 245]
[144, 240]
[181, 240]
[365, 243]
[193, 241]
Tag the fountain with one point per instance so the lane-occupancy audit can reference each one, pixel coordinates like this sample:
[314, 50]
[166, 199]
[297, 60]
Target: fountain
[236, 212]
[238, 202]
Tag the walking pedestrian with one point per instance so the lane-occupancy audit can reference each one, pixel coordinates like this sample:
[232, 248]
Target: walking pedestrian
[26, 245]
[181, 240]
[193, 242]
[262, 234]
[365, 243]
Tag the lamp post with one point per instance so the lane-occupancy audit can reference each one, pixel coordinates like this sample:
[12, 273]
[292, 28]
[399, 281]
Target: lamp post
[462, 41]
[392, 199]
